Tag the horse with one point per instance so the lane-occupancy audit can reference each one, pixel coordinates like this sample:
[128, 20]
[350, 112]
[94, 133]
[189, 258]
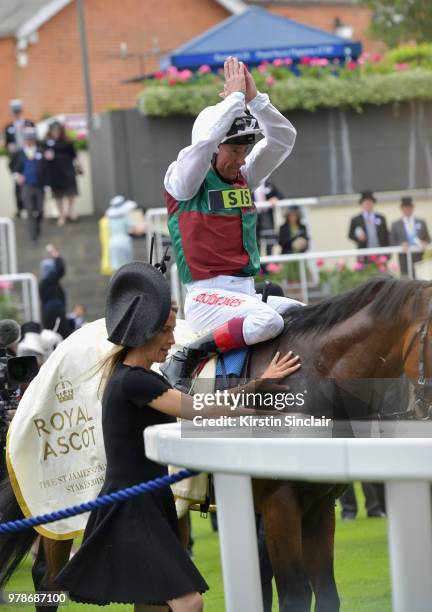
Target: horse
[379, 330]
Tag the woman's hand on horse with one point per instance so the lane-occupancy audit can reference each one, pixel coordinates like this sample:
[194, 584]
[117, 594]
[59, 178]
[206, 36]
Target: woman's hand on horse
[280, 367]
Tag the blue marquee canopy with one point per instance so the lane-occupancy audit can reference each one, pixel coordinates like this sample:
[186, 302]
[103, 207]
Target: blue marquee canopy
[256, 35]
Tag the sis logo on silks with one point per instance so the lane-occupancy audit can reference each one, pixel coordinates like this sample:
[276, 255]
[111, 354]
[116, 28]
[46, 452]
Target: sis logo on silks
[223, 199]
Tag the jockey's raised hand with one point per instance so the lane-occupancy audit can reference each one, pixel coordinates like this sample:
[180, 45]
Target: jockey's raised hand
[280, 367]
[251, 88]
[234, 76]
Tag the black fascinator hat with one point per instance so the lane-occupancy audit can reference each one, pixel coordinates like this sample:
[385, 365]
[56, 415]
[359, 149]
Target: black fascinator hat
[138, 304]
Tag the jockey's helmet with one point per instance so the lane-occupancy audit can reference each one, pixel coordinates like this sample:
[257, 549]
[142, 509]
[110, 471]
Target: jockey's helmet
[243, 130]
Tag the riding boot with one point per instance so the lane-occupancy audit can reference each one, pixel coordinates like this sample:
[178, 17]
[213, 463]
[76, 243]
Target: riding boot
[179, 368]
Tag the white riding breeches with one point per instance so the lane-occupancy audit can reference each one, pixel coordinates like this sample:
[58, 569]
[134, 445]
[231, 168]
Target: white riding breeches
[210, 303]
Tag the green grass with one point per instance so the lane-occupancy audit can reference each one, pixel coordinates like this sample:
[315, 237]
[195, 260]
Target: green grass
[361, 561]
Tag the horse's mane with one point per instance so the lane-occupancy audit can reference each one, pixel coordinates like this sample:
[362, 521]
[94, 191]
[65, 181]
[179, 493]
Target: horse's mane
[384, 295]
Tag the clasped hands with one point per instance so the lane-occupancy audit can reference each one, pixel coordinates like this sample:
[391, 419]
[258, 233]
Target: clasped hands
[238, 78]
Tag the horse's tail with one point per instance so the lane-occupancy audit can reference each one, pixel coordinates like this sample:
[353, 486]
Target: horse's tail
[13, 546]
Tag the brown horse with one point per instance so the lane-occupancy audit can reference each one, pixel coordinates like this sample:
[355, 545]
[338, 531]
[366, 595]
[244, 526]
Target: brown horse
[379, 330]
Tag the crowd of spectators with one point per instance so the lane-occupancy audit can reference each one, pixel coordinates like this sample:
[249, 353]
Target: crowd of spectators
[39, 166]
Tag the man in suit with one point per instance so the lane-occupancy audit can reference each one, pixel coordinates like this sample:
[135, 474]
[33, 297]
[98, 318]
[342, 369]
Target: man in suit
[409, 231]
[368, 229]
[14, 140]
[29, 171]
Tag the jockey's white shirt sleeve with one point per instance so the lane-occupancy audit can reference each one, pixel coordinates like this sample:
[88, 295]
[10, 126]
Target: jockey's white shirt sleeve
[185, 175]
[274, 148]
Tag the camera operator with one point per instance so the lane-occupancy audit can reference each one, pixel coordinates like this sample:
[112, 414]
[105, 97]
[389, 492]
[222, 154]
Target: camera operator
[15, 374]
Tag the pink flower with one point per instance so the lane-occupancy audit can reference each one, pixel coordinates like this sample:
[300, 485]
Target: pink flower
[172, 81]
[340, 265]
[158, 75]
[305, 60]
[81, 135]
[265, 62]
[6, 285]
[401, 67]
[357, 266]
[373, 257]
[351, 65]
[185, 75]
[172, 70]
[288, 61]
[270, 80]
[274, 267]
[278, 62]
[262, 68]
[382, 268]
[319, 263]
[382, 259]
[204, 69]
[376, 58]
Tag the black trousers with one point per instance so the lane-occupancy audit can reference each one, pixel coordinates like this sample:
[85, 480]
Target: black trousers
[33, 199]
[374, 499]
[18, 198]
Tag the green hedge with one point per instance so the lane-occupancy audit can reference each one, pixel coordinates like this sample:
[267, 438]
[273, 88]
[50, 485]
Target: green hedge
[303, 93]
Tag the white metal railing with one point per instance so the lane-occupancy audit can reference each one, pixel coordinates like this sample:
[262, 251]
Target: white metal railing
[405, 466]
[313, 256]
[307, 258]
[27, 302]
[8, 258]
[156, 220]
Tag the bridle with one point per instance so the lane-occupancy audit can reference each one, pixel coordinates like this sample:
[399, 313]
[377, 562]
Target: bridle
[422, 407]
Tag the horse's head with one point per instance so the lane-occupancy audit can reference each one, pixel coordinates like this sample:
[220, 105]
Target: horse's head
[417, 356]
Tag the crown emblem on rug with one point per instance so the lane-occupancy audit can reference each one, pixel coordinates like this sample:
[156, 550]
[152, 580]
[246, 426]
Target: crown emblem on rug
[64, 390]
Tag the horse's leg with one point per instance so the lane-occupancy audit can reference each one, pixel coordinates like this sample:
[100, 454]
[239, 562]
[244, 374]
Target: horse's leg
[266, 570]
[283, 525]
[57, 553]
[51, 558]
[318, 549]
[184, 531]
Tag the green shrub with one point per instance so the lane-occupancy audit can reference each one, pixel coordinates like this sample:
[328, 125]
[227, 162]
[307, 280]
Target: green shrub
[298, 93]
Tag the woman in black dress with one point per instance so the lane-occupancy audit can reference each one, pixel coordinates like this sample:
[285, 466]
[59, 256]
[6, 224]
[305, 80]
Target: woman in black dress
[60, 156]
[131, 552]
[293, 236]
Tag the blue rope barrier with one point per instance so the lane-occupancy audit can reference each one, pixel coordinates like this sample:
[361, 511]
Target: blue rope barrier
[104, 500]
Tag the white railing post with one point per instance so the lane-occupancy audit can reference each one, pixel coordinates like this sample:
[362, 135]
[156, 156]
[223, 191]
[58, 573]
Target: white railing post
[8, 257]
[29, 294]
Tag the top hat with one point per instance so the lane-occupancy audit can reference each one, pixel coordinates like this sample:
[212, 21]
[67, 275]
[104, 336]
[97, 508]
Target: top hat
[407, 202]
[367, 195]
[138, 304]
[15, 105]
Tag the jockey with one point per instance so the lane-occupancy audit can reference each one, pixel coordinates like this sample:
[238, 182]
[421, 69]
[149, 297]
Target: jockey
[212, 220]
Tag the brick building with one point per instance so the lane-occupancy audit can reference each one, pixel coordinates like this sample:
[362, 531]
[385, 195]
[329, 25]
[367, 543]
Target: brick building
[40, 48]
